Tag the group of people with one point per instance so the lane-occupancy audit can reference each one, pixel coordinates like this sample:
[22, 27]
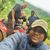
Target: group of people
[32, 39]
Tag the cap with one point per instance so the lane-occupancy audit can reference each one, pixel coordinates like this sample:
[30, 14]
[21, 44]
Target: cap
[40, 23]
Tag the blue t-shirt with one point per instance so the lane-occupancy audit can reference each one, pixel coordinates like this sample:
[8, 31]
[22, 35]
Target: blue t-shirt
[18, 41]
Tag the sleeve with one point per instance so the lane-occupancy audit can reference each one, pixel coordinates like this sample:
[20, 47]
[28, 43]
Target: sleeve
[11, 42]
[45, 47]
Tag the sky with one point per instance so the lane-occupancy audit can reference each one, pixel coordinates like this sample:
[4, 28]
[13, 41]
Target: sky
[43, 4]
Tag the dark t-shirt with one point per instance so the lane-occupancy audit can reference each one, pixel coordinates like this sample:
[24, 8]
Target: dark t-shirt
[17, 9]
[32, 19]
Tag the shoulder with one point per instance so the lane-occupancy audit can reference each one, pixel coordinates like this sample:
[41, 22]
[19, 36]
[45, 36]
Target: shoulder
[17, 7]
[45, 47]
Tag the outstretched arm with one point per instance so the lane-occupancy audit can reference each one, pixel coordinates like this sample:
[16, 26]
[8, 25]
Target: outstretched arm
[11, 42]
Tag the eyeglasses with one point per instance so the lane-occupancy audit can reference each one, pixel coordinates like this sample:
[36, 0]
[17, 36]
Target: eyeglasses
[32, 33]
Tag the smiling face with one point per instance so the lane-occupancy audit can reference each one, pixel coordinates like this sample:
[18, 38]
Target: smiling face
[36, 36]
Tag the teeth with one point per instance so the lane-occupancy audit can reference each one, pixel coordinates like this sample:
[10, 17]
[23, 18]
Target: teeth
[36, 37]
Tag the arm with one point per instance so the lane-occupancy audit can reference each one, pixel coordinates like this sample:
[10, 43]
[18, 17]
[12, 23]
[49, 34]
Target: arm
[11, 42]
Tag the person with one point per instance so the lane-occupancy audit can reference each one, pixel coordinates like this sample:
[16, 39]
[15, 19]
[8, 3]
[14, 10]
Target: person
[17, 10]
[19, 24]
[33, 40]
[20, 21]
[32, 18]
[15, 13]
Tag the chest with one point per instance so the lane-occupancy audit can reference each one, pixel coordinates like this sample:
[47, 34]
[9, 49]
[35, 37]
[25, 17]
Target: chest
[25, 46]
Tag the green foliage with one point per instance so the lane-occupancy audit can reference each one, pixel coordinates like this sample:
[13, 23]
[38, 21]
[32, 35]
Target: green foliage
[9, 4]
[0, 5]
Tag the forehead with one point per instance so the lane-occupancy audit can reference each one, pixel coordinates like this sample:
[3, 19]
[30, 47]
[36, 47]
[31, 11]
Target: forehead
[32, 32]
[38, 29]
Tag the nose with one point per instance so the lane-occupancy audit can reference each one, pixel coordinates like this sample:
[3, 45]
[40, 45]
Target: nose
[36, 33]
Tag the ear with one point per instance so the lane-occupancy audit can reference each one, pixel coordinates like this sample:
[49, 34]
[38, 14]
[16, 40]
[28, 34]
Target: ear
[42, 37]
[29, 33]
[29, 29]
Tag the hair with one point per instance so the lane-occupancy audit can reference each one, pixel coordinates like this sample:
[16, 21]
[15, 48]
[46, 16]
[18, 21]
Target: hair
[32, 12]
[40, 30]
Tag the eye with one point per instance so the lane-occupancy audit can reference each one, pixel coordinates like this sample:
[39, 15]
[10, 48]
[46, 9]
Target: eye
[32, 32]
